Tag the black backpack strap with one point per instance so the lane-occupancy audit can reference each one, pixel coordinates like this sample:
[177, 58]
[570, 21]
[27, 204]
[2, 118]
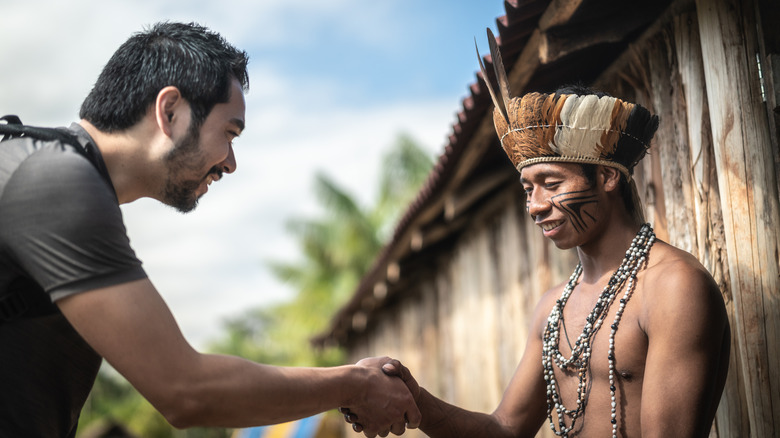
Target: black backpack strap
[11, 122]
[13, 128]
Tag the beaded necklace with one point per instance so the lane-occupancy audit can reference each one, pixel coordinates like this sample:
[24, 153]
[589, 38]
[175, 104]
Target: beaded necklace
[579, 360]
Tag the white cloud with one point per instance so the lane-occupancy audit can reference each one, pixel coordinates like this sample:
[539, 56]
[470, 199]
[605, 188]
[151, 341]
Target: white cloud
[215, 256]
[209, 264]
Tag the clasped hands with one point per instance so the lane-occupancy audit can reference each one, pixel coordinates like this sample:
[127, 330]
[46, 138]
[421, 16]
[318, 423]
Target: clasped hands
[386, 411]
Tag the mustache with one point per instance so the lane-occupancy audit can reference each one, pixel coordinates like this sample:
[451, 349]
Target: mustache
[215, 171]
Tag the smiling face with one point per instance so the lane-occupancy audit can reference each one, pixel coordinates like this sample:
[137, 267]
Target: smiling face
[203, 155]
[562, 202]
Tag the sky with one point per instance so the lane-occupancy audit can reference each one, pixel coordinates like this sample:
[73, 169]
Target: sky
[332, 85]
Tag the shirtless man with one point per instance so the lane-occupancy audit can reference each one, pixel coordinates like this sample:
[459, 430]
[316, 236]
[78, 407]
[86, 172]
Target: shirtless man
[665, 317]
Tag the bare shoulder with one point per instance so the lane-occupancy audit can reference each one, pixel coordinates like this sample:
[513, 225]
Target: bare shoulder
[675, 285]
[671, 269]
[544, 307]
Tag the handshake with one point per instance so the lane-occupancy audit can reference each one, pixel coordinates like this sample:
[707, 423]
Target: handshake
[391, 405]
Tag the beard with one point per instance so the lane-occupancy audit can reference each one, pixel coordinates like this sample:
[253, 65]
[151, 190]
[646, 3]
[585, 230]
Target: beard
[180, 192]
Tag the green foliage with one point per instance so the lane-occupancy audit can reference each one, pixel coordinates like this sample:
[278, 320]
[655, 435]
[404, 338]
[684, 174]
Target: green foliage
[114, 400]
[405, 169]
[337, 249]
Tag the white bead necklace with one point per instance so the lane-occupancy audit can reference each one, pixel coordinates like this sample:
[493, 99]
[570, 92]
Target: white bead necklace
[579, 360]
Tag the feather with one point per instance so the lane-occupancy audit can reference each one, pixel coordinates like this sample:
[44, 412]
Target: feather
[499, 104]
[498, 66]
[639, 129]
[564, 132]
[574, 128]
[548, 118]
[600, 123]
[531, 138]
[585, 121]
[611, 136]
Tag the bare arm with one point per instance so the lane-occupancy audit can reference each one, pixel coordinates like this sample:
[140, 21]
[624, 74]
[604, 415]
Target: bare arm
[133, 329]
[688, 351]
[440, 419]
[520, 413]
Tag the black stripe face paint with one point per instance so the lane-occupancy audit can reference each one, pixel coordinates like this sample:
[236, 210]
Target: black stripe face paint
[573, 204]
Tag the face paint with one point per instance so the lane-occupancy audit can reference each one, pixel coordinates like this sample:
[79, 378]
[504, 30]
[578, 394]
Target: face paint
[573, 204]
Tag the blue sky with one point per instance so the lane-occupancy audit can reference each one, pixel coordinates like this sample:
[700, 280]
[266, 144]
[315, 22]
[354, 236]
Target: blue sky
[333, 82]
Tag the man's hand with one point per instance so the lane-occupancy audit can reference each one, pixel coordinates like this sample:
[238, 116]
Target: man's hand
[392, 368]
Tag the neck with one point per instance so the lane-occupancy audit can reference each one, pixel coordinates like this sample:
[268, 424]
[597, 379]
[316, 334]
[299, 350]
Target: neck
[602, 256]
[130, 159]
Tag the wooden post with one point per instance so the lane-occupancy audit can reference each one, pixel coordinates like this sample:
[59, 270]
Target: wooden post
[671, 145]
[732, 417]
[749, 200]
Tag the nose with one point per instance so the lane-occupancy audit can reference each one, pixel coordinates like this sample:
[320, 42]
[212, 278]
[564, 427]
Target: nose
[228, 165]
[537, 204]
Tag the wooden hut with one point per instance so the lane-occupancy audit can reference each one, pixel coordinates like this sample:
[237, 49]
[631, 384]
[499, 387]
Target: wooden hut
[452, 292]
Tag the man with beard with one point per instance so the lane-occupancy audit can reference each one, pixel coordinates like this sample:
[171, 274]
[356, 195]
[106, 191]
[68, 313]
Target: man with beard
[159, 123]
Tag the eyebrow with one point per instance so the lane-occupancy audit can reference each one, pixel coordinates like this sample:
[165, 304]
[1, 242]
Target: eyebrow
[543, 175]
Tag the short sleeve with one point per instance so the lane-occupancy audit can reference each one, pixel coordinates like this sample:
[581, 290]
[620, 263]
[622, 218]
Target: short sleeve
[62, 225]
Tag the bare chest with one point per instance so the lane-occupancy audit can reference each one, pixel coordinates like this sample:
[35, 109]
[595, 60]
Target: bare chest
[625, 333]
[609, 370]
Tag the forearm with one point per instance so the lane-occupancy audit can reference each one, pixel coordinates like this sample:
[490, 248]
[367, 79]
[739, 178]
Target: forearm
[234, 392]
[138, 336]
[443, 420]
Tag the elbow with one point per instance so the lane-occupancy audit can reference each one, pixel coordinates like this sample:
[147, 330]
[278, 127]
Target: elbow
[515, 427]
[179, 419]
[183, 409]
[180, 394]
[184, 415]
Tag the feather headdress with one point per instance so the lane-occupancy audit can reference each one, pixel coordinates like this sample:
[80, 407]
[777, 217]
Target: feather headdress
[567, 127]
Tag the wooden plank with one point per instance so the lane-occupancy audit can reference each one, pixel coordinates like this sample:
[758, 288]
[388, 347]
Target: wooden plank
[525, 66]
[561, 42]
[488, 340]
[632, 82]
[749, 201]
[437, 232]
[473, 328]
[671, 142]
[446, 389]
[731, 419]
[463, 198]
[691, 71]
[559, 12]
[512, 301]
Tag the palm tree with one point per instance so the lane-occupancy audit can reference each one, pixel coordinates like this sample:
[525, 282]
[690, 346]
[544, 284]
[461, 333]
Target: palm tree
[337, 250]
[405, 168]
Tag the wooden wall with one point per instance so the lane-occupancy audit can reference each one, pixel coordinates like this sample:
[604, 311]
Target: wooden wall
[710, 187]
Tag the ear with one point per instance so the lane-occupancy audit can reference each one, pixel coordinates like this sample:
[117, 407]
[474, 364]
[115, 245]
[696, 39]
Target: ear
[609, 177]
[167, 108]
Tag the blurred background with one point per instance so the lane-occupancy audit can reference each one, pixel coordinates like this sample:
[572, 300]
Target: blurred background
[350, 103]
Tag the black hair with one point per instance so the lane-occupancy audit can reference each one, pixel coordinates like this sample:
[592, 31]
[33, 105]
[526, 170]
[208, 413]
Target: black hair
[580, 90]
[199, 62]
[624, 188]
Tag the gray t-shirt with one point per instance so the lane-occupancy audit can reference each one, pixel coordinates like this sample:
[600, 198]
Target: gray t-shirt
[61, 233]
